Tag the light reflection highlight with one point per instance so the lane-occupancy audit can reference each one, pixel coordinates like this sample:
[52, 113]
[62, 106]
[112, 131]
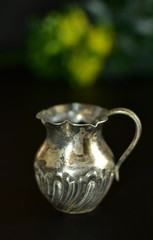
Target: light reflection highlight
[100, 159]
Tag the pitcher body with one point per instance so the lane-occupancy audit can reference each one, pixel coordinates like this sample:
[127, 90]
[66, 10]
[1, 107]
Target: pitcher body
[74, 167]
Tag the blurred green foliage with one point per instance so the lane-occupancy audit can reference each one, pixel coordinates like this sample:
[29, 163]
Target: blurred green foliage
[95, 39]
[67, 45]
[133, 24]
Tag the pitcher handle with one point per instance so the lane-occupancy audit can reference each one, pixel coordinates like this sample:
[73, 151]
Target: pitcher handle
[138, 129]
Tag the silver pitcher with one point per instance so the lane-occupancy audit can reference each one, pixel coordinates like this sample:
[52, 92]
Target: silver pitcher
[74, 167]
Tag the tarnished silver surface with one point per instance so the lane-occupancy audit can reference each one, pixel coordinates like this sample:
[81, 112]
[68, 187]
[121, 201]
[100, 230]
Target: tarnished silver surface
[74, 167]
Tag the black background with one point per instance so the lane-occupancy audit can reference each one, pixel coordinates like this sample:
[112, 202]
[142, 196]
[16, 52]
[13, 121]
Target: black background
[14, 16]
[127, 210]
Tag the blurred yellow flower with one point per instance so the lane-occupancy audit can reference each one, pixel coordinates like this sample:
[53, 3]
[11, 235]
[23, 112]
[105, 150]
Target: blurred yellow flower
[100, 40]
[73, 27]
[85, 69]
[68, 45]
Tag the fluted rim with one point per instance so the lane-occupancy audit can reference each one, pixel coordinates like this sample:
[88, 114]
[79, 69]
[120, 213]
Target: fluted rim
[75, 114]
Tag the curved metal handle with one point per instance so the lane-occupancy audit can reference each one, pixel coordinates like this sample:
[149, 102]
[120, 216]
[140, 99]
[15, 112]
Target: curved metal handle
[137, 135]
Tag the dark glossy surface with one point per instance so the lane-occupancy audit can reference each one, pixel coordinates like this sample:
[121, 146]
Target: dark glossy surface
[127, 210]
